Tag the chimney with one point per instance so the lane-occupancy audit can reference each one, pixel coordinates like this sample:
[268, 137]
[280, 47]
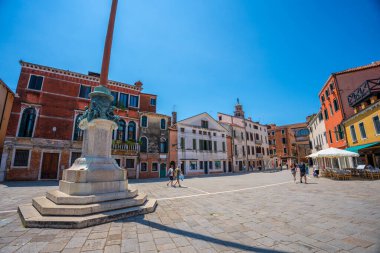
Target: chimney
[174, 118]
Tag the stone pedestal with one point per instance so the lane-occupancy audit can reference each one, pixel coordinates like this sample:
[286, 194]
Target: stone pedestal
[93, 190]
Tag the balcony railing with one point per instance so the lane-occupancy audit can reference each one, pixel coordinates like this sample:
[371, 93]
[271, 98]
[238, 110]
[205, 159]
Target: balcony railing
[365, 90]
[126, 147]
[259, 142]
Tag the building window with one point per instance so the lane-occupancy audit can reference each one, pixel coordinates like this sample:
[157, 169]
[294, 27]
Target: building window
[210, 165]
[326, 114]
[376, 124]
[144, 121]
[223, 135]
[285, 151]
[182, 130]
[224, 146]
[118, 161]
[21, 158]
[74, 156]
[132, 131]
[134, 101]
[283, 141]
[144, 167]
[123, 100]
[236, 151]
[130, 163]
[182, 143]
[27, 122]
[320, 117]
[194, 144]
[330, 136]
[35, 82]
[218, 165]
[163, 146]
[272, 132]
[274, 151]
[152, 101]
[327, 93]
[331, 110]
[336, 105]
[78, 133]
[248, 150]
[340, 132]
[144, 145]
[323, 98]
[194, 131]
[115, 97]
[242, 136]
[154, 166]
[120, 132]
[332, 86]
[163, 124]
[362, 131]
[204, 123]
[243, 150]
[84, 91]
[214, 134]
[283, 131]
[193, 165]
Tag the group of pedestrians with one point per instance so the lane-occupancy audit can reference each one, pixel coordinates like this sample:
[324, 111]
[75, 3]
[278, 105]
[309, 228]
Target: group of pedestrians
[175, 174]
[302, 169]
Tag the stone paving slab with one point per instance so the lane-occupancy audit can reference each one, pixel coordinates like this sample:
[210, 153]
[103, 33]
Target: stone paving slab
[260, 212]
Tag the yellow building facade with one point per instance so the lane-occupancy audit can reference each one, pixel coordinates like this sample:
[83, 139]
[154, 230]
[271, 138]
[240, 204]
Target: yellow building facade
[363, 132]
[6, 102]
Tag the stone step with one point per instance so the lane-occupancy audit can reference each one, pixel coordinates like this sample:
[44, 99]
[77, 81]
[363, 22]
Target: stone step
[31, 218]
[89, 188]
[61, 198]
[48, 207]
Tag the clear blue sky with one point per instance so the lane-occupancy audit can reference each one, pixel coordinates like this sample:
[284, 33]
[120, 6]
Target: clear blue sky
[200, 55]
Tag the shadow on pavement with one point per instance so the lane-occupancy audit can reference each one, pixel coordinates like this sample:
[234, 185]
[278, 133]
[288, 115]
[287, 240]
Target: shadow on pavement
[203, 237]
[30, 183]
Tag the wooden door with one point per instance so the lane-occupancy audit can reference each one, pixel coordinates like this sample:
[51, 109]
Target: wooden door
[49, 168]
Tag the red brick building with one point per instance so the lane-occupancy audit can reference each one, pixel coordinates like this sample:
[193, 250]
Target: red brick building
[335, 105]
[43, 137]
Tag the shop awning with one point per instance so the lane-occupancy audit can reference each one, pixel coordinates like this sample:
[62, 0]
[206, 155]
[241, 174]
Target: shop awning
[359, 147]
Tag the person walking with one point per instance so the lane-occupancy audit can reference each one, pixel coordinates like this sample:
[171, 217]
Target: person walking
[177, 173]
[303, 172]
[293, 171]
[170, 175]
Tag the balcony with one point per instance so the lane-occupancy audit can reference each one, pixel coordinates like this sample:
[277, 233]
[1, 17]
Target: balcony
[259, 155]
[124, 148]
[365, 91]
[258, 142]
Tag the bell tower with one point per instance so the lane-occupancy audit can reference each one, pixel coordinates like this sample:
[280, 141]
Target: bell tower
[239, 110]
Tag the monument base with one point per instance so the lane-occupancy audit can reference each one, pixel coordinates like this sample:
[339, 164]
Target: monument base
[94, 190]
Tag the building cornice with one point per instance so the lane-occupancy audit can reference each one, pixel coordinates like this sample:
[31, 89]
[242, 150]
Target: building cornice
[68, 73]
[369, 108]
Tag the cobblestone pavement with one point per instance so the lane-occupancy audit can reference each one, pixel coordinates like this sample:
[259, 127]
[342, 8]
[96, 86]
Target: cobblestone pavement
[257, 212]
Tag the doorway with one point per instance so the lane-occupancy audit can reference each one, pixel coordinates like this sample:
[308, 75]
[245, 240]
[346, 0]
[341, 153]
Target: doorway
[162, 170]
[224, 167]
[205, 163]
[49, 166]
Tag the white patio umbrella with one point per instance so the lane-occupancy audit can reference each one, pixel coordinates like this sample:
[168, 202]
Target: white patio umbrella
[333, 153]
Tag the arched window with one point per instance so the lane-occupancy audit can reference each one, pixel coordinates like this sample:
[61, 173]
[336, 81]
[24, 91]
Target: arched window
[78, 133]
[27, 122]
[132, 131]
[163, 124]
[144, 121]
[163, 146]
[120, 132]
[144, 145]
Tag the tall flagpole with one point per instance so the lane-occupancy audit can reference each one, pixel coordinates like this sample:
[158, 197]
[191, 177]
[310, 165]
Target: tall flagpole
[108, 45]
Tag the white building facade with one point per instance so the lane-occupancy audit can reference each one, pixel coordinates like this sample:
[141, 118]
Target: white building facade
[317, 134]
[202, 145]
[250, 149]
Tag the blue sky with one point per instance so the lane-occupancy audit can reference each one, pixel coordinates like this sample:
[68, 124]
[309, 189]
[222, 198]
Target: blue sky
[197, 55]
